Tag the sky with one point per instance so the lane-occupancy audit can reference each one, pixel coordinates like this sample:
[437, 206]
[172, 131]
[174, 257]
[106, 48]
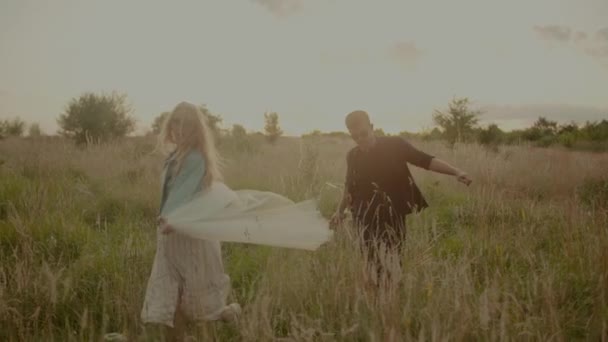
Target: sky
[311, 61]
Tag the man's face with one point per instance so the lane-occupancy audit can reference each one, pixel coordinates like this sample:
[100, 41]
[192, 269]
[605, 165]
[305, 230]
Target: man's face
[362, 133]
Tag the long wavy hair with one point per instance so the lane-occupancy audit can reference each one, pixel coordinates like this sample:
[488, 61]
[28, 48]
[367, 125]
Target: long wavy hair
[186, 128]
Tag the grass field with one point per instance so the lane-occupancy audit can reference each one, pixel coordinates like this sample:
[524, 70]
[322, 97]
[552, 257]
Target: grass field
[521, 254]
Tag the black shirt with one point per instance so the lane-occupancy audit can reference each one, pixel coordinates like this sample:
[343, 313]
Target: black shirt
[380, 183]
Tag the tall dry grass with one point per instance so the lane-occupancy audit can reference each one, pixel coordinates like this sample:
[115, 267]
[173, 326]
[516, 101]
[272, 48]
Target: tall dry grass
[522, 254]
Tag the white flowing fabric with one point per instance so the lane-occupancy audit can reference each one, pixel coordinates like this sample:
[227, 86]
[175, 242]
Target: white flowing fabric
[250, 216]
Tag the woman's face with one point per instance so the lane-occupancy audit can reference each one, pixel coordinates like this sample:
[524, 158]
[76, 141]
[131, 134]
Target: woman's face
[173, 132]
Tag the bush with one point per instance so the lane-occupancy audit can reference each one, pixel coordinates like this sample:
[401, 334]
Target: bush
[492, 135]
[594, 193]
[272, 129]
[567, 139]
[34, 130]
[238, 141]
[14, 127]
[546, 141]
[96, 118]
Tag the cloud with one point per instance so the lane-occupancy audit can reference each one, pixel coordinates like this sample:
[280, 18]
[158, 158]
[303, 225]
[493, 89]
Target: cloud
[596, 48]
[602, 34]
[580, 36]
[598, 51]
[554, 32]
[281, 7]
[526, 114]
[406, 53]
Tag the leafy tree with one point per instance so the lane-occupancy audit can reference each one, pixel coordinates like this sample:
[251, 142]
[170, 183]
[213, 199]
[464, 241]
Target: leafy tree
[379, 132]
[543, 132]
[407, 135]
[338, 134]
[546, 127]
[492, 135]
[568, 128]
[314, 134]
[271, 128]
[214, 121]
[240, 141]
[14, 127]
[96, 118]
[434, 134]
[34, 130]
[458, 122]
[596, 131]
[514, 137]
[157, 124]
[238, 132]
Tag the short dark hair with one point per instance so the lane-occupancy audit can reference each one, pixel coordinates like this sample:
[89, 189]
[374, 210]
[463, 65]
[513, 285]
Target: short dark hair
[356, 117]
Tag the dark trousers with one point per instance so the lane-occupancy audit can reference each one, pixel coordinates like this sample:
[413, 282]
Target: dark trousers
[382, 240]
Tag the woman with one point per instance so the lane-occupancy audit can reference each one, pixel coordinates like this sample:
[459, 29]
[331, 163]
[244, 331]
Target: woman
[187, 279]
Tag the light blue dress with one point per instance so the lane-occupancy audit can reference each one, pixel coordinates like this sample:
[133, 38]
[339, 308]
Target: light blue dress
[185, 270]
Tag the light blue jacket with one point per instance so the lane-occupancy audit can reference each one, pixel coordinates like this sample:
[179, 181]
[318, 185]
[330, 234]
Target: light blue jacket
[181, 188]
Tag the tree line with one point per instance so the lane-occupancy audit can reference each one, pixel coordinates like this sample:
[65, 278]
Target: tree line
[460, 123]
[99, 118]
[104, 117]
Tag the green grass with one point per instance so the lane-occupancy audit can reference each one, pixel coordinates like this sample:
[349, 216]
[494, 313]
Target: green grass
[520, 255]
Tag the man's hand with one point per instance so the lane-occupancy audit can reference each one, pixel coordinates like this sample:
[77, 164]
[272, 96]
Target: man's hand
[439, 166]
[463, 177]
[164, 227]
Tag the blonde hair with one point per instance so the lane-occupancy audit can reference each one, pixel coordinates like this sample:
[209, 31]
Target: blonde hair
[187, 128]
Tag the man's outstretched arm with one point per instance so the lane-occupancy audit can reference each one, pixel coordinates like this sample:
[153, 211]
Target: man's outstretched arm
[426, 161]
[439, 166]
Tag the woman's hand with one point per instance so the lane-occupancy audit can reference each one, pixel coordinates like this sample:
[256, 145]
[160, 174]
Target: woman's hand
[164, 227]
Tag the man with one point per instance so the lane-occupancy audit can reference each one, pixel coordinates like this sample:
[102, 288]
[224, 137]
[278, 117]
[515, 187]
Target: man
[379, 188]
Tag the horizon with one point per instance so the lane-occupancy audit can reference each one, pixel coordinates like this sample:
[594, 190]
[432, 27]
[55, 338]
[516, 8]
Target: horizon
[508, 125]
